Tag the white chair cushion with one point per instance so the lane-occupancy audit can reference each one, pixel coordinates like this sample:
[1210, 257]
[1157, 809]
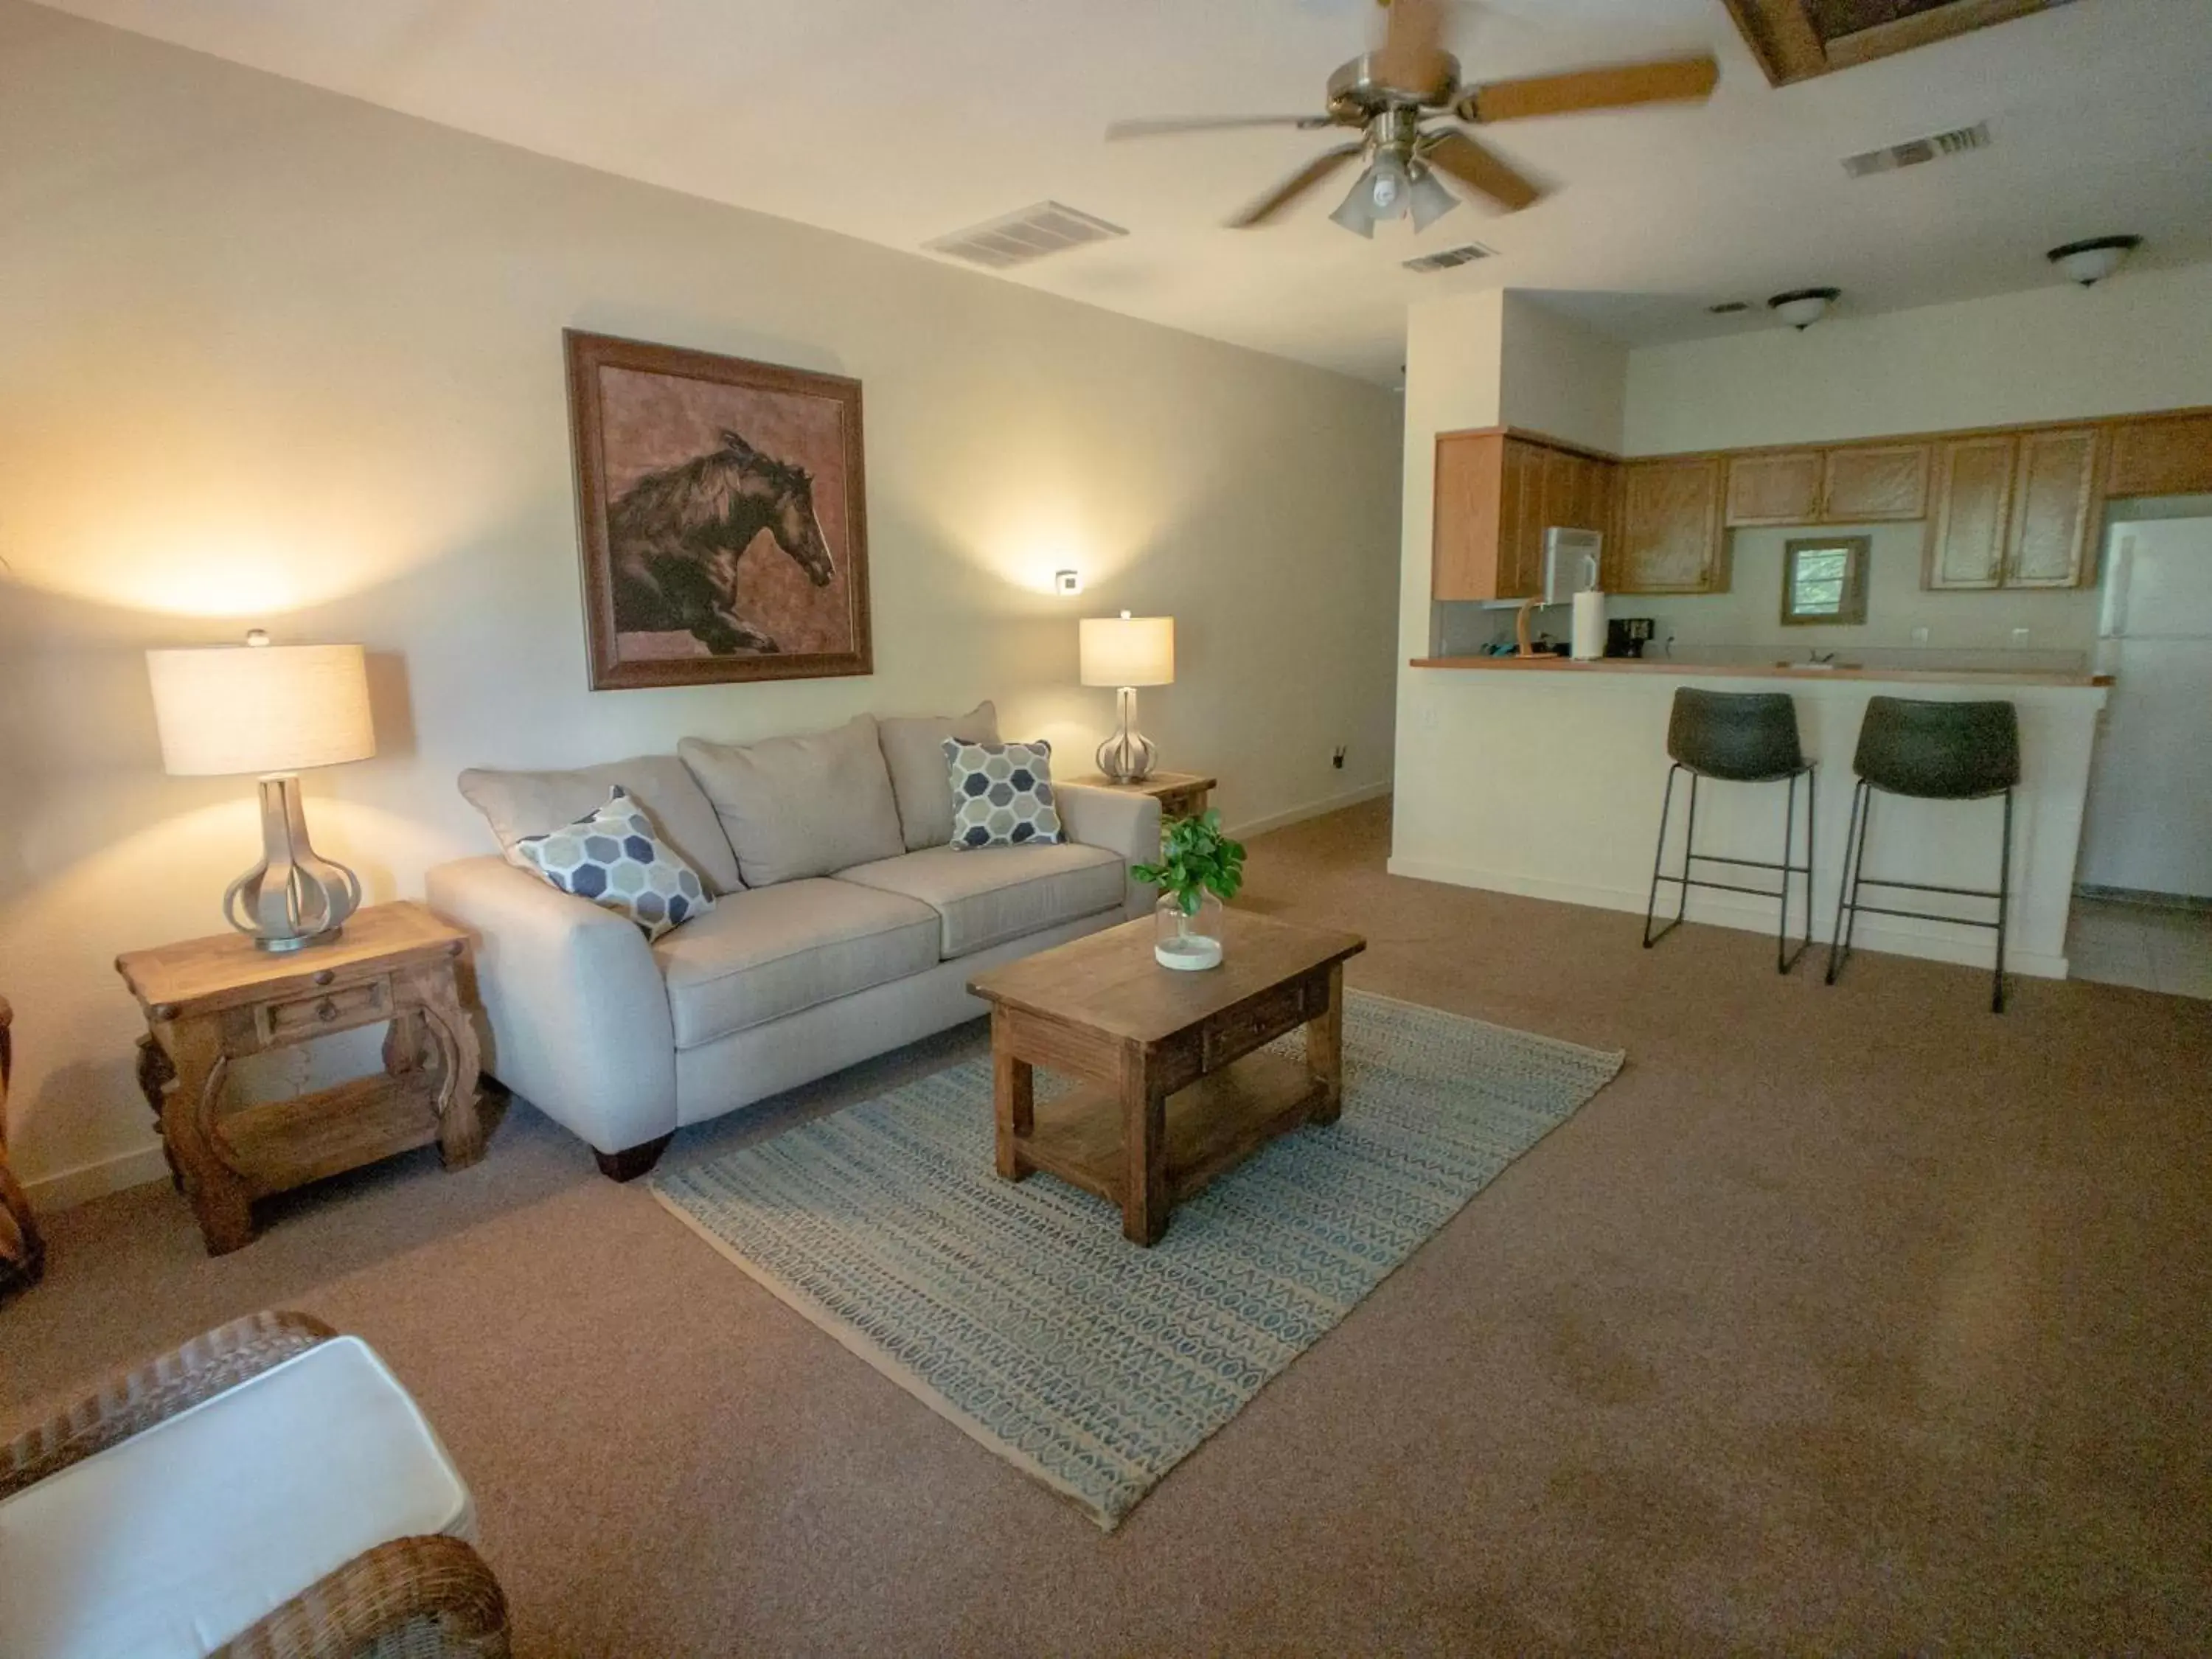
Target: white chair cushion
[989, 894]
[170, 1544]
[770, 951]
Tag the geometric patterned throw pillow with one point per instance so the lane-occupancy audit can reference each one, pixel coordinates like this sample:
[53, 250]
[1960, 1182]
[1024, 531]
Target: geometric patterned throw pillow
[1001, 793]
[613, 858]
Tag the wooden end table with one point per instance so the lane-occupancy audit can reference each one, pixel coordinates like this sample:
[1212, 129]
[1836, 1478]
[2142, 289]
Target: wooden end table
[1181, 794]
[1181, 1095]
[209, 1002]
[22, 1253]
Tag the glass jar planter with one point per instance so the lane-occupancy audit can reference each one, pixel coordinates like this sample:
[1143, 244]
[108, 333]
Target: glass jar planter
[1185, 941]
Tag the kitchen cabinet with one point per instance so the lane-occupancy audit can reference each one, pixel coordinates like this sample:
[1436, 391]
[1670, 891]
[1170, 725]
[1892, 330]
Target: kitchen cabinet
[2054, 502]
[1495, 496]
[1874, 483]
[1774, 487]
[1965, 546]
[1670, 540]
[2161, 455]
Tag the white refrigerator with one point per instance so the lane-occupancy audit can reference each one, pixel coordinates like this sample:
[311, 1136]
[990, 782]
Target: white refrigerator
[2149, 824]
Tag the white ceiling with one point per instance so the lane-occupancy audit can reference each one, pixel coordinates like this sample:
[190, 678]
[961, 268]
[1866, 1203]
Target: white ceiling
[898, 122]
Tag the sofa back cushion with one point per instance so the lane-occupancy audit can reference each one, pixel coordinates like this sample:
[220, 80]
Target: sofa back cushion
[794, 807]
[914, 750]
[519, 804]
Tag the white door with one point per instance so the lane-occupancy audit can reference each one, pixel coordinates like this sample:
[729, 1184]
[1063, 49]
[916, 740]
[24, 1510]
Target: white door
[2149, 824]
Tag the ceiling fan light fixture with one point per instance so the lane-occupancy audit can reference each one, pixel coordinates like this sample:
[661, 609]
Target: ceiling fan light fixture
[2089, 263]
[1802, 307]
[1387, 185]
[1431, 200]
[1356, 214]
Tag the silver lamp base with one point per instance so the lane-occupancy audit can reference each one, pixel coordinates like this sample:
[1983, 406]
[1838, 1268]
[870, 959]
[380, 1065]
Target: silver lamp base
[1127, 756]
[294, 897]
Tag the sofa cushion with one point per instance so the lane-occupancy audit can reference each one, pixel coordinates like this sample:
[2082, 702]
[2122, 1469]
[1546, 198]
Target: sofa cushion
[519, 804]
[613, 858]
[173, 1541]
[794, 807]
[989, 894]
[914, 750]
[770, 951]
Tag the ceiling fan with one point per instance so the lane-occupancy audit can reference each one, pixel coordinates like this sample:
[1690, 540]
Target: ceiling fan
[1388, 94]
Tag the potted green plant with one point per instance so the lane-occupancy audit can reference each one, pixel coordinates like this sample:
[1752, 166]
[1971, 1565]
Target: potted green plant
[1199, 868]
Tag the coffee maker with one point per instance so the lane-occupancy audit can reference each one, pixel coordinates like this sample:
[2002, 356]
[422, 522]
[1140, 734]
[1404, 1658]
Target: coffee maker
[1626, 636]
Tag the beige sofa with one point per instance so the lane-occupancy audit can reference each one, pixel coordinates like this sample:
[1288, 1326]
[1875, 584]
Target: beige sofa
[843, 926]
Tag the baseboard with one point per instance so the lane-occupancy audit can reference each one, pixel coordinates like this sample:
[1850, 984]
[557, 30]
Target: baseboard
[68, 1188]
[2142, 898]
[1313, 809]
[1874, 933]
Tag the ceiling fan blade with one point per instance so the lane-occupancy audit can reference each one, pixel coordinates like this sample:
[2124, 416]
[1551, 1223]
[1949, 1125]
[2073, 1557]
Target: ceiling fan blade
[1478, 170]
[1617, 86]
[1412, 32]
[1212, 123]
[1294, 186]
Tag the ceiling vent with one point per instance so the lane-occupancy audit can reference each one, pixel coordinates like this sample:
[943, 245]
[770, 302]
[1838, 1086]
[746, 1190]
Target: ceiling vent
[1449, 257]
[1047, 228]
[1913, 151]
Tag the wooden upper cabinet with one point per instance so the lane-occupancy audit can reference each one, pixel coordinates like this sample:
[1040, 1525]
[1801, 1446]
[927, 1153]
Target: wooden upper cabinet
[1774, 487]
[1874, 483]
[1521, 521]
[1670, 528]
[2054, 503]
[1973, 479]
[2161, 455]
[1465, 550]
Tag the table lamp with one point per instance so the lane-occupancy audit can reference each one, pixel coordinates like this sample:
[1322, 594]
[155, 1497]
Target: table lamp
[274, 709]
[1126, 651]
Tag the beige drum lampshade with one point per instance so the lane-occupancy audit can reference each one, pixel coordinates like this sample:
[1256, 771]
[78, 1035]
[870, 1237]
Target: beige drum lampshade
[260, 707]
[1126, 650]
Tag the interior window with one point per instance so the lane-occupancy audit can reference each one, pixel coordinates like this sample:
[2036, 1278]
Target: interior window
[1823, 580]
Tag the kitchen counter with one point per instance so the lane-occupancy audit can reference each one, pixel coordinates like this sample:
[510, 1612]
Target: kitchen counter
[1543, 778]
[1759, 670]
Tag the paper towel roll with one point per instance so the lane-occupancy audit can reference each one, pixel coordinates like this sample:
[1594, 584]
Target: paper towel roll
[1589, 638]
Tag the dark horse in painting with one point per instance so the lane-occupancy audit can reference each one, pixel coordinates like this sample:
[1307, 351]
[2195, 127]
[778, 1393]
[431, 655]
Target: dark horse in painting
[676, 536]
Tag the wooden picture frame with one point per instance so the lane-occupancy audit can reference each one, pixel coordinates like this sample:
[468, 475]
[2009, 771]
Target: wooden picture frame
[1852, 610]
[721, 510]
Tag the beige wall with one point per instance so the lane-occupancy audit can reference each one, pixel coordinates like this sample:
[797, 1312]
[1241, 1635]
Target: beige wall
[2141, 340]
[1559, 377]
[275, 357]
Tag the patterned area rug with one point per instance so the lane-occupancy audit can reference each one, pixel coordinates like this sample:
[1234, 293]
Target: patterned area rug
[1021, 1313]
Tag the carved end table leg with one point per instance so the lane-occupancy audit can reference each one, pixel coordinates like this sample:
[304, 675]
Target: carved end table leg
[446, 1027]
[219, 1197]
[22, 1253]
[155, 1074]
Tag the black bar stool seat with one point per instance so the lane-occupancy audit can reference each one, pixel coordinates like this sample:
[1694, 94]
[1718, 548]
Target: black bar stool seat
[1950, 751]
[1735, 737]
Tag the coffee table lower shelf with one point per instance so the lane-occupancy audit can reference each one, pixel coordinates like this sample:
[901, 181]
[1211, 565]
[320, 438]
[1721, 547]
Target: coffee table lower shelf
[1213, 1125]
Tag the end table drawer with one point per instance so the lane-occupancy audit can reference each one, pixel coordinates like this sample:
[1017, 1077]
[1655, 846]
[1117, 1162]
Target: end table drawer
[339, 1008]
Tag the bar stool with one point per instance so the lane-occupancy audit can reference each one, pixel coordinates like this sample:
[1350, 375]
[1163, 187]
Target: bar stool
[1735, 737]
[1930, 751]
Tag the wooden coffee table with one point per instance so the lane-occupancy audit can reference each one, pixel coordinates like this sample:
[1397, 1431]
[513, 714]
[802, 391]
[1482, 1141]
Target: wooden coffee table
[1177, 1093]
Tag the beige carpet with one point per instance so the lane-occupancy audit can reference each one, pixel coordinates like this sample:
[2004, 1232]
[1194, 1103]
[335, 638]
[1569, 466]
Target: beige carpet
[1844, 1318]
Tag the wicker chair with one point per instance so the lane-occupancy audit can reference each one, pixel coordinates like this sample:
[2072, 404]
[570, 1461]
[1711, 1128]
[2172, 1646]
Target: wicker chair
[407, 1599]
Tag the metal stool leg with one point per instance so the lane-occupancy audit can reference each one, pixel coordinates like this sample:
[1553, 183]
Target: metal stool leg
[1839, 942]
[1784, 957]
[2005, 903]
[1658, 855]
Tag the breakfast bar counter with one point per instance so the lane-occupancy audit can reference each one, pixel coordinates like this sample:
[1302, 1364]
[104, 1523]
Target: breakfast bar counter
[1543, 777]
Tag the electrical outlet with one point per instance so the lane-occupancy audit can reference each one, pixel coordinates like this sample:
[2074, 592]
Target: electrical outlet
[1337, 759]
[2019, 638]
[1920, 635]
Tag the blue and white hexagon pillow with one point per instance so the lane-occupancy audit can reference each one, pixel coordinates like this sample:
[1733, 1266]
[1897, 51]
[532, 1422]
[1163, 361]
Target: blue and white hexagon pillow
[614, 858]
[1001, 793]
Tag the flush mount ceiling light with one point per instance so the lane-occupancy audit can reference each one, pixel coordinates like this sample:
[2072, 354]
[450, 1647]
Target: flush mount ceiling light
[2090, 262]
[1801, 307]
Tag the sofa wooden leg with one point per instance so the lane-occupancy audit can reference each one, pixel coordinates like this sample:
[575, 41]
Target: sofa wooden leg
[632, 1162]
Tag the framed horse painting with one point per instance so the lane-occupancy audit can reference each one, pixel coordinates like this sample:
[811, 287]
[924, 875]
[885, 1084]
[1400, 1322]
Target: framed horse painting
[723, 519]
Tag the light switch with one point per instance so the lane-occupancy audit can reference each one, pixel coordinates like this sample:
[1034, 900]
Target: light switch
[1920, 635]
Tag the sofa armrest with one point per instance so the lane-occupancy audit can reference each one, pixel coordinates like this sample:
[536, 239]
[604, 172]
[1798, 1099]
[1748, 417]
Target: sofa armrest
[574, 1001]
[1121, 821]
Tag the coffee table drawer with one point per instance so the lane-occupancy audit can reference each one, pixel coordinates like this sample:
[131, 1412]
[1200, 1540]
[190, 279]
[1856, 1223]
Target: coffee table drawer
[1240, 1031]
